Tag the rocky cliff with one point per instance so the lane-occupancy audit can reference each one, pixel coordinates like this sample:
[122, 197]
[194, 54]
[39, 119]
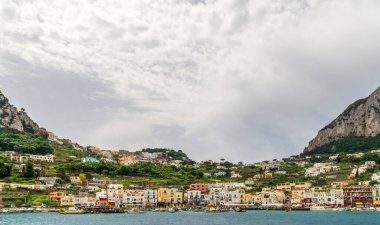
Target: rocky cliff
[361, 118]
[10, 117]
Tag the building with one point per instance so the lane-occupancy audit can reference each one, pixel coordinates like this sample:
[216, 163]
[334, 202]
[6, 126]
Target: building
[370, 164]
[233, 197]
[68, 200]
[320, 168]
[376, 177]
[293, 186]
[235, 175]
[169, 196]
[331, 198]
[151, 197]
[89, 160]
[376, 195]
[43, 158]
[195, 197]
[56, 196]
[198, 187]
[358, 196]
[134, 198]
[220, 174]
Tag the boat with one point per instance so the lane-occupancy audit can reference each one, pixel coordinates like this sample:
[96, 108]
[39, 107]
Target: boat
[238, 209]
[317, 208]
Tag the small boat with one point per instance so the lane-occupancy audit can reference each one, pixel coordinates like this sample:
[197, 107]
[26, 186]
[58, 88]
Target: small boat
[238, 209]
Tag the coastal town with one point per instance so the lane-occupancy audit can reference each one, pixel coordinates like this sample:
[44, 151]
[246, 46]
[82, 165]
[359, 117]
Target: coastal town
[309, 184]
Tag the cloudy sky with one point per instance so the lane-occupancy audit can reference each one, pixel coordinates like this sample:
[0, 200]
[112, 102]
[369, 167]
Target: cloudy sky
[236, 79]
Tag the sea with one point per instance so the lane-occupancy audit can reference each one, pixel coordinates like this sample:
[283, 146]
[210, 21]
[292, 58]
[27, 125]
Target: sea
[197, 218]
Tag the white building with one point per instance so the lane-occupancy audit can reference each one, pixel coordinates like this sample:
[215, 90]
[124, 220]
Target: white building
[195, 197]
[376, 177]
[151, 197]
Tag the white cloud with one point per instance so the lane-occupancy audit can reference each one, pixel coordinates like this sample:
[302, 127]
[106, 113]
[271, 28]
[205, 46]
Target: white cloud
[227, 78]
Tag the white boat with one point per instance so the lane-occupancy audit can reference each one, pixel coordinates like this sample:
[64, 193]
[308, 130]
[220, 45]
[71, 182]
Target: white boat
[317, 208]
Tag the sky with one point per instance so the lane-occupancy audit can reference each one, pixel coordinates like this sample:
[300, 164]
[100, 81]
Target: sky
[244, 80]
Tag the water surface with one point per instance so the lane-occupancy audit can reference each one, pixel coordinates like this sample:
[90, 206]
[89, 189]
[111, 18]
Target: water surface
[192, 218]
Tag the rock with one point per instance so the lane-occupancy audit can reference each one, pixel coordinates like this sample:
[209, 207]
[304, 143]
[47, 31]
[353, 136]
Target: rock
[12, 118]
[361, 118]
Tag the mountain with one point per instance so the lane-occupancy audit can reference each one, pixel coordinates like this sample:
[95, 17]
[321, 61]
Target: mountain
[358, 126]
[11, 117]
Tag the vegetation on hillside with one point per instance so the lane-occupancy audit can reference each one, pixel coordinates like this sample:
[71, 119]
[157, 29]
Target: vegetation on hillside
[23, 142]
[348, 144]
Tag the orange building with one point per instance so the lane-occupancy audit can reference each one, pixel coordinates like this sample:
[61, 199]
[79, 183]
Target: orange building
[198, 187]
[56, 196]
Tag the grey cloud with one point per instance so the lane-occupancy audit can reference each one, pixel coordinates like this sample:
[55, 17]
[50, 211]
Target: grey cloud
[242, 80]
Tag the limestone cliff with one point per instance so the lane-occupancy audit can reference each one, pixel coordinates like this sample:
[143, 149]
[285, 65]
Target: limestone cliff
[10, 117]
[361, 118]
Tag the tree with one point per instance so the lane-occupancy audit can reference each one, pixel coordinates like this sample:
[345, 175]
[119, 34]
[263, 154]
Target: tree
[5, 170]
[29, 170]
[373, 182]
[60, 182]
[83, 178]
[357, 173]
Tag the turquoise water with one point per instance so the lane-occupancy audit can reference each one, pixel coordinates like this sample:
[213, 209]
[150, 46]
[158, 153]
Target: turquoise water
[191, 218]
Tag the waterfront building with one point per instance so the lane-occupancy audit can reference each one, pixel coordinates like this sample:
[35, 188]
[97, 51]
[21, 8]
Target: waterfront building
[376, 195]
[134, 198]
[151, 197]
[169, 196]
[68, 200]
[358, 196]
[195, 197]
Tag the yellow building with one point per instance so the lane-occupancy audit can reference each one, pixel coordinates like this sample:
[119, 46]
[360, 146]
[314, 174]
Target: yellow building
[249, 198]
[297, 196]
[376, 195]
[68, 200]
[293, 186]
[169, 196]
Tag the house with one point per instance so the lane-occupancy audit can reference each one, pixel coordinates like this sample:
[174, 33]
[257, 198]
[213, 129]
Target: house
[89, 160]
[232, 197]
[195, 197]
[280, 172]
[198, 187]
[68, 200]
[45, 158]
[376, 177]
[150, 197]
[375, 151]
[170, 196]
[134, 198]
[220, 174]
[235, 175]
[249, 182]
[215, 196]
[355, 155]
[75, 180]
[339, 184]
[97, 181]
[56, 196]
[293, 186]
[370, 164]
[320, 168]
